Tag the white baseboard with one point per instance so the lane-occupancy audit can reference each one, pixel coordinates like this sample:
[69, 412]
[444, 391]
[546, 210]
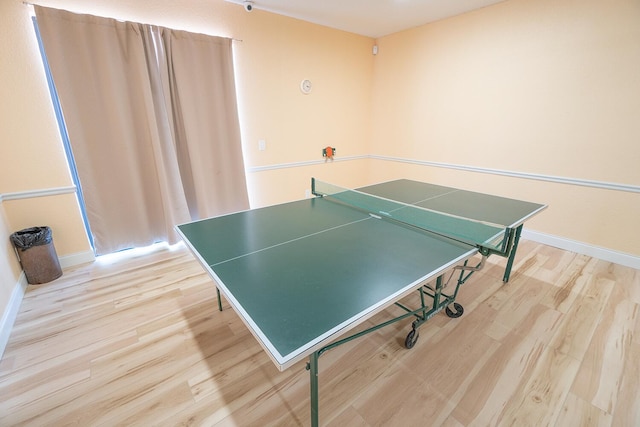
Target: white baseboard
[76, 259]
[11, 312]
[583, 248]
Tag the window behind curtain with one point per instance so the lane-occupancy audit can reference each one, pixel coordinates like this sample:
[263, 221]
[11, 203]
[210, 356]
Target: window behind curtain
[63, 134]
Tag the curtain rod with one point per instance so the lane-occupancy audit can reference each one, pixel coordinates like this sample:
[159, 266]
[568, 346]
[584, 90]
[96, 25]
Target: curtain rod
[26, 3]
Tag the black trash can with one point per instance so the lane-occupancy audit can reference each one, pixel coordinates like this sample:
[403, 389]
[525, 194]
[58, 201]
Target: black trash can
[37, 254]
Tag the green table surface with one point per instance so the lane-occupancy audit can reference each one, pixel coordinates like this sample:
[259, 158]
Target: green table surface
[301, 274]
[467, 204]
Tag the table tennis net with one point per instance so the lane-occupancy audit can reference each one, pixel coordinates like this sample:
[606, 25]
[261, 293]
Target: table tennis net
[466, 230]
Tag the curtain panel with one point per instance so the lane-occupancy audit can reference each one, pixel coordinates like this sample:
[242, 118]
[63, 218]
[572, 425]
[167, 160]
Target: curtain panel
[153, 124]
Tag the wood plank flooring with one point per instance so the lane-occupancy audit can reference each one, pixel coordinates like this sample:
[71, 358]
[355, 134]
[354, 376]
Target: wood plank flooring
[139, 341]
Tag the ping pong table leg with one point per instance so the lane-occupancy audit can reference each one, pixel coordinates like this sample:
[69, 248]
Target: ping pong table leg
[512, 254]
[313, 373]
[219, 300]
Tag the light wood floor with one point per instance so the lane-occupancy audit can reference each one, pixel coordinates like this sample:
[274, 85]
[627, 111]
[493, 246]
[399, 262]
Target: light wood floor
[140, 342]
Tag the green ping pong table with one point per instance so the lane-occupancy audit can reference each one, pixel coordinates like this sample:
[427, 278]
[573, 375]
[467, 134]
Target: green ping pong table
[324, 265]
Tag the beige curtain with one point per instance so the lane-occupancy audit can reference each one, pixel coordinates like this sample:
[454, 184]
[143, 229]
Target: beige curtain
[151, 115]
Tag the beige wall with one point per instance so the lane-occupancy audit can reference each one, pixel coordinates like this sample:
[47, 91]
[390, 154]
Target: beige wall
[545, 87]
[274, 56]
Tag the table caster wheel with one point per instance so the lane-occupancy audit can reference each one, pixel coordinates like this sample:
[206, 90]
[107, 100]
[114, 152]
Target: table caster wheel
[454, 314]
[411, 339]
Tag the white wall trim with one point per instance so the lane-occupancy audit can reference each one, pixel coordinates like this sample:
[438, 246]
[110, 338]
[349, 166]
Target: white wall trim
[11, 312]
[523, 175]
[255, 169]
[29, 194]
[583, 248]
[538, 177]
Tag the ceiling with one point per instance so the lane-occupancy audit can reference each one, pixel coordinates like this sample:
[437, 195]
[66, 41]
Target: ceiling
[372, 18]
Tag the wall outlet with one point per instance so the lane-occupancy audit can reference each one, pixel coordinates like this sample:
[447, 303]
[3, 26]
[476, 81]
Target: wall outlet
[262, 144]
